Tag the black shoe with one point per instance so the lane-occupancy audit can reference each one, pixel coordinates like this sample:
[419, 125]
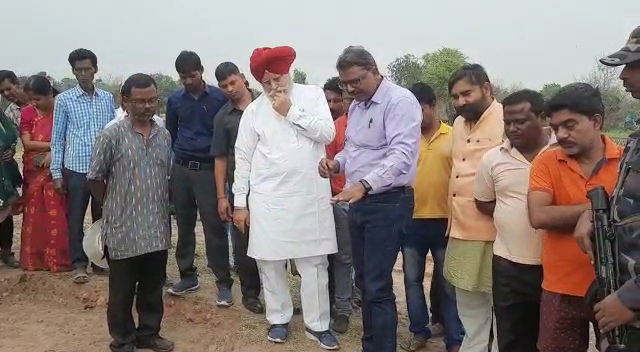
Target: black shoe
[340, 324]
[156, 343]
[113, 347]
[253, 305]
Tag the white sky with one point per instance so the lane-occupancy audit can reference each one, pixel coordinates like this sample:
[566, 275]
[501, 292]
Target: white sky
[518, 41]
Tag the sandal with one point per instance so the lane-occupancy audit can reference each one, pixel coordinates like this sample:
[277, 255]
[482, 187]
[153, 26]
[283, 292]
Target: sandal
[80, 276]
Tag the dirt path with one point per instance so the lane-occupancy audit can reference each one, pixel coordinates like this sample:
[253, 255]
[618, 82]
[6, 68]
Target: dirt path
[44, 312]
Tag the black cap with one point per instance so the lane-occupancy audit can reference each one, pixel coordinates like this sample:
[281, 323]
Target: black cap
[629, 54]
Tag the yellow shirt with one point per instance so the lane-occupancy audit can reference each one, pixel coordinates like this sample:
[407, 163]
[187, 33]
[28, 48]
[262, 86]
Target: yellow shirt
[431, 187]
[470, 143]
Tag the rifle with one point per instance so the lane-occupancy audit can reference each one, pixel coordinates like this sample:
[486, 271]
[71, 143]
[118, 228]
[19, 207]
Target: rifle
[606, 261]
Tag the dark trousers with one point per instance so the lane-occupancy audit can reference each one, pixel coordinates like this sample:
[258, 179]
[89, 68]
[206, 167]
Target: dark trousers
[247, 267]
[78, 196]
[424, 236]
[141, 278]
[437, 285]
[376, 224]
[193, 191]
[6, 235]
[516, 303]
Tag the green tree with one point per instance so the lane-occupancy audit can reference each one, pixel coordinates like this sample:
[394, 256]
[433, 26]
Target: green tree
[549, 90]
[438, 68]
[406, 70]
[299, 76]
[166, 86]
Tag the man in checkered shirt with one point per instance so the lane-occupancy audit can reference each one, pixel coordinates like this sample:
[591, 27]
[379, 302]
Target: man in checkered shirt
[80, 113]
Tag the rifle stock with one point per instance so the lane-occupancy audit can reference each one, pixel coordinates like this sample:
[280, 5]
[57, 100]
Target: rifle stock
[605, 260]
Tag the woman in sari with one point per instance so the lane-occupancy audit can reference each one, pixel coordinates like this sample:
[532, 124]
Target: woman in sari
[45, 245]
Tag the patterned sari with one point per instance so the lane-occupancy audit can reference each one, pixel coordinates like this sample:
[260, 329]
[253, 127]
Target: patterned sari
[45, 245]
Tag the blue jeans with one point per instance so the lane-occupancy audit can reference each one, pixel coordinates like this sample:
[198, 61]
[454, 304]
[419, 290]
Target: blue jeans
[376, 225]
[426, 235]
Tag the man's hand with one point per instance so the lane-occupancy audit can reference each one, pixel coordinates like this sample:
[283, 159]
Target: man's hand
[224, 209]
[46, 162]
[611, 313]
[8, 154]
[58, 186]
[280, 102]
[241, 219]
[328, 167]
[582, 234]
[351, 195]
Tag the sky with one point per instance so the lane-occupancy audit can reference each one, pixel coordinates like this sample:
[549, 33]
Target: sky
[522, 42]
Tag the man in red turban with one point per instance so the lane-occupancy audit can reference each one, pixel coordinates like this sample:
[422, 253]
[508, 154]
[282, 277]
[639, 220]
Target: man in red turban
[281, 138]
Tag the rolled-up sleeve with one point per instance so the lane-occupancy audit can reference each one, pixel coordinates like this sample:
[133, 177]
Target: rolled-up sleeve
[101, 157]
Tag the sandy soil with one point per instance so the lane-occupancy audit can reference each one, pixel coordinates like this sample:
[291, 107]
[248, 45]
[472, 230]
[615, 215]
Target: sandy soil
[44, 312]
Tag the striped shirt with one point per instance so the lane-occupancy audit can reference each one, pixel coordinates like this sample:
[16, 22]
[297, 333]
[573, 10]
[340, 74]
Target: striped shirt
[77, 120]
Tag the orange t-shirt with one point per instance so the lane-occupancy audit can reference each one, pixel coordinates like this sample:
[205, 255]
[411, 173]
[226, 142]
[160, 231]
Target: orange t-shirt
[333, 148]
[566, 269]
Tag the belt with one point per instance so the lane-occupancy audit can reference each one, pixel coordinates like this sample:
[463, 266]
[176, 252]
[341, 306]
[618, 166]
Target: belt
[193, 165]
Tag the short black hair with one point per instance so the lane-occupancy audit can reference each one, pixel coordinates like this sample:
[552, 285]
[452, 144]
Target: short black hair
[474, 73]
[580, 98]
[188, 61]
[81, 55]
[424, 93]
[226, 70]
[10, 75]
[39, 85]
[535, 99]
[139, 81]
[333, 85]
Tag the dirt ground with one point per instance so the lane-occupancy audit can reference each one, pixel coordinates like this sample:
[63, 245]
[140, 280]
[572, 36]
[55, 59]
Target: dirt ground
[44, 312]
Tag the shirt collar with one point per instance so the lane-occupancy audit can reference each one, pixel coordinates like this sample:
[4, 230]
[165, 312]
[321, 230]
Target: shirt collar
[230, 106]
[80, 92]
[381, 91]
[507, 146]
[207, 90]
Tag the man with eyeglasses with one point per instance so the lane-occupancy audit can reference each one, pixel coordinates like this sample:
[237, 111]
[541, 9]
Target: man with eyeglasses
[379, 159]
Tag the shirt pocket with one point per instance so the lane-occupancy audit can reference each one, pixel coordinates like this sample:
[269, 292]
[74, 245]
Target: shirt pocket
[369, 136]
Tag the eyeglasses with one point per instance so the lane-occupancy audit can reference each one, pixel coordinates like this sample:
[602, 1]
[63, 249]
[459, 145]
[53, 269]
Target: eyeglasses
[144, 103]
[354, 83]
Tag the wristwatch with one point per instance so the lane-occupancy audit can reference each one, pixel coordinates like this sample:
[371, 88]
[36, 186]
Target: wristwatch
[367, 186]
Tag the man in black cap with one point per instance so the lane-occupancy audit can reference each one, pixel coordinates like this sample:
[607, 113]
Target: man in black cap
[621, 307]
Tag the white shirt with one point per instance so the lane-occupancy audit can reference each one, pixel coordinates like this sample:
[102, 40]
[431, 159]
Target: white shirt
[503, 176]
[121, 114]
[277, 166]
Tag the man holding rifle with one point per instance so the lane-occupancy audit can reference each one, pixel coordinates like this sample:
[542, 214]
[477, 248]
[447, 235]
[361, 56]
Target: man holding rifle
[619, 309]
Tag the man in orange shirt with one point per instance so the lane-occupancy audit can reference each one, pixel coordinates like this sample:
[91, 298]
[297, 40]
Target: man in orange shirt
[340, 264]
[559, 181]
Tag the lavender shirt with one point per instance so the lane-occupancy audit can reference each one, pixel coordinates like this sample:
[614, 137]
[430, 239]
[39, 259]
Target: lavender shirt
[382, 139]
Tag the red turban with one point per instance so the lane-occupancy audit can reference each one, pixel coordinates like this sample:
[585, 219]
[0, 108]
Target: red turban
[276, 60]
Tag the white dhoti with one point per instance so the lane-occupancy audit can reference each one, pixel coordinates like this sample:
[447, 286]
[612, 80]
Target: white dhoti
[314, 291]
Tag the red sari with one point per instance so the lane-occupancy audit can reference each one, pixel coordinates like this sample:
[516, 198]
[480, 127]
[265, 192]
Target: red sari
[44, 244]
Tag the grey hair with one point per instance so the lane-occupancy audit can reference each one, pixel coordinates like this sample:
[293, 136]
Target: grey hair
[355, 55]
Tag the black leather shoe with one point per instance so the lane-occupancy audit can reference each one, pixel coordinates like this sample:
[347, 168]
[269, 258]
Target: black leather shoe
[253, 305]
[156, 343]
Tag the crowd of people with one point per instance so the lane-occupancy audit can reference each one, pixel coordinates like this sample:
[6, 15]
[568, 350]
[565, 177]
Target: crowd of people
[333, 183]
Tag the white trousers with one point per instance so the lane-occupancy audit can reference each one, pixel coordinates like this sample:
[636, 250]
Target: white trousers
[314, 291]
[476, 314]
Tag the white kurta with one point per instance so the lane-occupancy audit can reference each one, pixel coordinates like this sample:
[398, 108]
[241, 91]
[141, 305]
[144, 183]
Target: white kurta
[277, 165]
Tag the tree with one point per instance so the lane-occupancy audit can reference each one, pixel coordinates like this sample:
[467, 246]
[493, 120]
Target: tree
[166, 86]
[406, 70]
[549, 90]
[299, 76]
[438, 68]
[616, 101]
